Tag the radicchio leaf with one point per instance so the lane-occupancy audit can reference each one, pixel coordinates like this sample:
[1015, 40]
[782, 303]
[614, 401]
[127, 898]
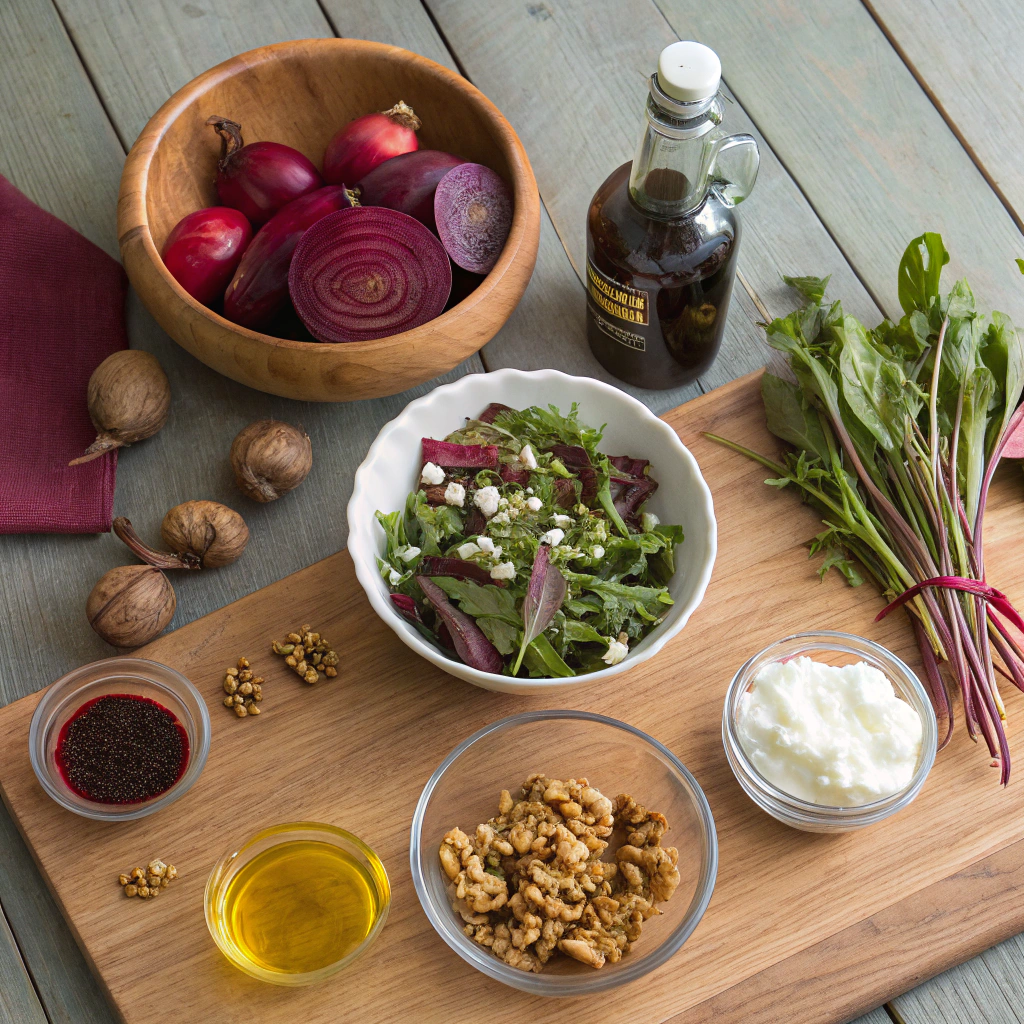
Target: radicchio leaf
[628, 467]
[513, 474]
[458, 568]
[565, 492]
[544, 596]
[461, 456]
[632, 496]
[407, 608]
[575, 459]
[470, 643]
[491, 413]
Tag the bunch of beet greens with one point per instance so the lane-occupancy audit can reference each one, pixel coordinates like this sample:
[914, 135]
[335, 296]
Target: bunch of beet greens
[897, 432]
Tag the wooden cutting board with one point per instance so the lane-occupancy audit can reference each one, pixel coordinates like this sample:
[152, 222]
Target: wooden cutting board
[801, 927]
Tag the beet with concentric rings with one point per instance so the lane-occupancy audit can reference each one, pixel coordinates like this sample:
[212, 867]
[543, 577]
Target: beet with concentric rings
[259, 289]
[368, 273]
[473, 210]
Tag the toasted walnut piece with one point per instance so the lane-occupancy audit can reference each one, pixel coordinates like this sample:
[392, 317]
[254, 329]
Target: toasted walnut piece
[240, 710]
[231, 671]
[154, 890]
[229, 702]
[172, 871]
[144, 891]
[122, 880]
[243, 662]
[137, 873]
[131, 890]
[579, 950]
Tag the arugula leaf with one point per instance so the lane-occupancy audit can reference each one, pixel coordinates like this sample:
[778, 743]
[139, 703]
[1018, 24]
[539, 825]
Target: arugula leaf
[543, 660]
[504, 636]
[578, 632]
[477, 600]
[811, 288]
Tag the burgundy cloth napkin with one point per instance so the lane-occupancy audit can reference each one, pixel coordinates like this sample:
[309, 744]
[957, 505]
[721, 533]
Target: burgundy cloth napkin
[61, 315]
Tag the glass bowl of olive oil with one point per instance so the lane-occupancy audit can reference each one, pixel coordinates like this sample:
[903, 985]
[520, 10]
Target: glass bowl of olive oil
[297, 902]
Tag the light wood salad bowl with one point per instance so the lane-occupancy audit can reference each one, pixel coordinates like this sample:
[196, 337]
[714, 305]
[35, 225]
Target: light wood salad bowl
[300, 93]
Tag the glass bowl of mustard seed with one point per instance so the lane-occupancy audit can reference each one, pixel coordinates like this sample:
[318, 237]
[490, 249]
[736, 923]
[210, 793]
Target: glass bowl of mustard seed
[119, 739]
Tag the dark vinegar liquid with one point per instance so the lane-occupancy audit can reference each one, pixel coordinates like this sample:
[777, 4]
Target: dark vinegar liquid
[657, 290]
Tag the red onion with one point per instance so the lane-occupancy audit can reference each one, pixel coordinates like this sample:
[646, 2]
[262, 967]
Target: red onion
[368, 273]
[407, 183]
[203, 250]
[260, 178]
[473, 210]
[259, 288]
[368, 141]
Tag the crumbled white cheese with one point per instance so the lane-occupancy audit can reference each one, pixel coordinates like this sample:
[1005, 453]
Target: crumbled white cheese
[486, 545]
[649, 521]
[597, 552]
[455, 494]
[468, 550]
[394, 577]
[486, 499]
[504, 571]
[615, 653]
[562, 521]
[501, 519]
[408, 553]
[527, 458]
[529, 490]
[534, 504]
[432, 474]
[553, 537]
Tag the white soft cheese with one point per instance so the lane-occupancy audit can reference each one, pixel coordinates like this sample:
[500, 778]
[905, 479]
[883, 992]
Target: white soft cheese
[534, 504]
[834, 736]
[486, 499]
[455, 494]
[432, 474]
[504, 571]
[468, 550]
[615, 653]
[527, 458]
[553, 537]
[563, 521]
[486, 545]
[597, 552]
[408, 553]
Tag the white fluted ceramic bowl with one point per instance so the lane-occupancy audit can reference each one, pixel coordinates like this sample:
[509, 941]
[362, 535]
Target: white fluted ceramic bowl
[390, 471]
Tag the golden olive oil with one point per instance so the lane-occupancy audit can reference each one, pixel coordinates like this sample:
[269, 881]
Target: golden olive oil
[300, 906]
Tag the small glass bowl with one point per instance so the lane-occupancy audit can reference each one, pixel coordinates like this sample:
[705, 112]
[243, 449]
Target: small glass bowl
[117, 675]
[231, 863]
[833, 649]
[615, 758]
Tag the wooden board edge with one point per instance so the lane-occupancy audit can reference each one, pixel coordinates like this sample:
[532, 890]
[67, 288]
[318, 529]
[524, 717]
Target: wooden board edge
[93, 967]
[886, 954]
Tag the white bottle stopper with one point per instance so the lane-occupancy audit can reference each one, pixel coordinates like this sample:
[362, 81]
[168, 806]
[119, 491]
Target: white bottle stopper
[689, 71]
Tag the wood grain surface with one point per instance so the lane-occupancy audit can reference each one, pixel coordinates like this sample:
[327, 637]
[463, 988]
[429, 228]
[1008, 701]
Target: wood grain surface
[785, 902]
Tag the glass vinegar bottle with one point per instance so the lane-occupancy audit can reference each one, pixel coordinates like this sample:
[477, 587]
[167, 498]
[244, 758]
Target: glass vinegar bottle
[662, 232]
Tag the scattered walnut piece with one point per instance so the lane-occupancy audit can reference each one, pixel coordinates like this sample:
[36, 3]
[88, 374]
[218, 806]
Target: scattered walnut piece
[308, 653]
[148, 881]
[244, 689]
[530, 882]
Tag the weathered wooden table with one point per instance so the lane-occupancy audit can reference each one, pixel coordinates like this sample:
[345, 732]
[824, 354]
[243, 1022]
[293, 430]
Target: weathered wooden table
[877, 119]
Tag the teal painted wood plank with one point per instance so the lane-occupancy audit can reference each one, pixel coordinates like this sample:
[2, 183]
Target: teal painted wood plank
[862, 139]
[19, 1003]
[967, 56]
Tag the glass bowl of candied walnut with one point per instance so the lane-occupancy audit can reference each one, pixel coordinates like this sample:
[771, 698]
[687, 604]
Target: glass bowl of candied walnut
[563, 852]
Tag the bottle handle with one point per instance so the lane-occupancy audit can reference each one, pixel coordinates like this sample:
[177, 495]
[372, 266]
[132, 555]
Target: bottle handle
[732, 169]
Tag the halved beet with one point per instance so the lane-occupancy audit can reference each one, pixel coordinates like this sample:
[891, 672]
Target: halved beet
[513, 474]
[459, 456]
[575, 459]
[367, 273]
[259, 289]
[493, 411]
[407, 183]
[628, 467]
[457, 568]
[473, 210]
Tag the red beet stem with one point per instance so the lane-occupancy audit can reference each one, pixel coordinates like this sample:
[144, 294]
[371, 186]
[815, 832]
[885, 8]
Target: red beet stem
[473, 210]
[367, 273]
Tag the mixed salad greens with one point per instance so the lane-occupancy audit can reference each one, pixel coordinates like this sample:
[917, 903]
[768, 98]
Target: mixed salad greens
[526, 550]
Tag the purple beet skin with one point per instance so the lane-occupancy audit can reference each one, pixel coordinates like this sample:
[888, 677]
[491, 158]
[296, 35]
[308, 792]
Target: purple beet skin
[473, 210]
[407, 183]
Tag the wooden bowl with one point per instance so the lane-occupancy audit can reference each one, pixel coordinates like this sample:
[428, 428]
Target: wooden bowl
[300, 93]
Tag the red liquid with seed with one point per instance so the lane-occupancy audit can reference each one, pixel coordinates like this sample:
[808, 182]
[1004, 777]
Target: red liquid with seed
[122, 748]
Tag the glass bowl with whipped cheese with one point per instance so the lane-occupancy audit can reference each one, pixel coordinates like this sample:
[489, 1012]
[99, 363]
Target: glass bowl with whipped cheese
[828, 732]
